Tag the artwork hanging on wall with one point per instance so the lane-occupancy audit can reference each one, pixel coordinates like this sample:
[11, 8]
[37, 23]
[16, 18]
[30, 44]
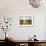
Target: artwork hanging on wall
[5, 26]
[26, 20]
[37, 3]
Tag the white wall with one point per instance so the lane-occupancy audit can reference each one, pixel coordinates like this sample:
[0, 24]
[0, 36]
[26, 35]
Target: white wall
[23, 33]
[45, 29]
[14, 8]
[17, 7]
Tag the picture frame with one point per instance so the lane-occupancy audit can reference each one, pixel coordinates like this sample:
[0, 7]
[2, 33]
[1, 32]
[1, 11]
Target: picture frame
[26, 21]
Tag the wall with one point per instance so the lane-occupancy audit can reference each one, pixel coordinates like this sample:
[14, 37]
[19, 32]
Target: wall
[45, 29]
[23, 33]
[15, 8]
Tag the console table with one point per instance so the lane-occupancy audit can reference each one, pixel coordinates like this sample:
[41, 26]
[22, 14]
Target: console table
[2, 43]
[27, 43]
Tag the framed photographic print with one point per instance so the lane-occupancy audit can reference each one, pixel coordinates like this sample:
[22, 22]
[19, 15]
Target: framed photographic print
[26, 20]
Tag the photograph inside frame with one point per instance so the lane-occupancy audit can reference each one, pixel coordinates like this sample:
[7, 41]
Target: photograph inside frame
[26, 20]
